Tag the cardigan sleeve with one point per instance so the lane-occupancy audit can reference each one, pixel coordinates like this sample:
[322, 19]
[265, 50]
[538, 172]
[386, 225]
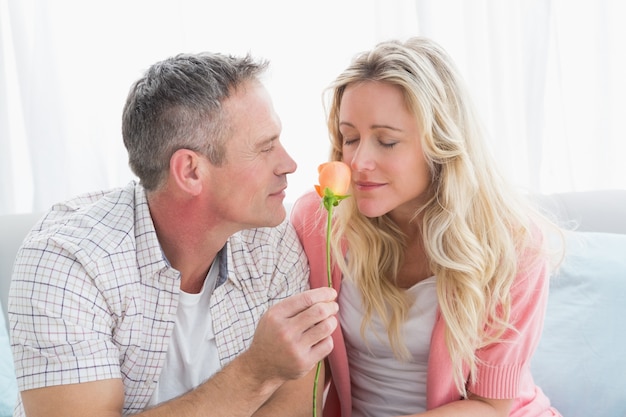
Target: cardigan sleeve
[504, 366]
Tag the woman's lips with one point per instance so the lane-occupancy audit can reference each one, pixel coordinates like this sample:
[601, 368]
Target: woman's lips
[367, 185]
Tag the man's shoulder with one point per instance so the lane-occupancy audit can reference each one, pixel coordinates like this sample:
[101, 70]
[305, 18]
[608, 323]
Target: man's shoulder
[277, 236]
[266, 247]
[104, 218]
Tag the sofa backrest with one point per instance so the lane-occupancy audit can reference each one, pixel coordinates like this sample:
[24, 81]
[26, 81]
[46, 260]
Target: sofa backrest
[588, 211]
[598, 211]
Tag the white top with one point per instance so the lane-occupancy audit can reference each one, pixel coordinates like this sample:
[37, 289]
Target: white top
[192, 357]
[381, 384]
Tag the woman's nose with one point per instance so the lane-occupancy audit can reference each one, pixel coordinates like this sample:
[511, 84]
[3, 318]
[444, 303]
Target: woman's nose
[362, 159]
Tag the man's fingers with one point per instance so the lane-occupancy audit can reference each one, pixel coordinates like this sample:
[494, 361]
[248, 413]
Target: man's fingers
[296, 333]
[297, 303]
[304, 311]
[320, 331]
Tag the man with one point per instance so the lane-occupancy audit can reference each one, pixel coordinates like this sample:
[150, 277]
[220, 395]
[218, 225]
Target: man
[185, 294]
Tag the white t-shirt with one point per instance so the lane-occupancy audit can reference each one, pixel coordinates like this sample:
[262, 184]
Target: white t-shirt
[381, 384]
[192, 356]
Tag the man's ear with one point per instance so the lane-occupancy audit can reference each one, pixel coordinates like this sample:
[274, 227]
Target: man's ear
[186, 171]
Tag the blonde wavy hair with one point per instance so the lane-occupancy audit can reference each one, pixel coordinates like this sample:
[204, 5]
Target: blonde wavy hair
[473, 224]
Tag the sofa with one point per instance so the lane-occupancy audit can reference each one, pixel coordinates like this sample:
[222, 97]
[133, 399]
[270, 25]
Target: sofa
[581, 359]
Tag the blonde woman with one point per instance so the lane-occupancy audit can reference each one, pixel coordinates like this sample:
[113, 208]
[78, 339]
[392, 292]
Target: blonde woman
[440, 267]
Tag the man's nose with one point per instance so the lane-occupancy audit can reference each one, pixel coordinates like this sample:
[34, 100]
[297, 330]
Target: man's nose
[287, 164]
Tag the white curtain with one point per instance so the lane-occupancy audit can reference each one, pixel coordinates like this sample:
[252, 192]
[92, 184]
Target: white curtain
[546, 76]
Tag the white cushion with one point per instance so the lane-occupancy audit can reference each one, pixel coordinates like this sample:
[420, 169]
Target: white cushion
[581, 361]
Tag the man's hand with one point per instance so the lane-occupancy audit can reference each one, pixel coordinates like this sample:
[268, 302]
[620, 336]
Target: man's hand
[293, 335]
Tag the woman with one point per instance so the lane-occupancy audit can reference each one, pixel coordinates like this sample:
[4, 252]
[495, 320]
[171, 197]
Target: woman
[441, 268]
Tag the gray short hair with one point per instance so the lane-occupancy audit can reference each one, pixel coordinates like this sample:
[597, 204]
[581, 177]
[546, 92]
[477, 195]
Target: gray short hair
[177, 105]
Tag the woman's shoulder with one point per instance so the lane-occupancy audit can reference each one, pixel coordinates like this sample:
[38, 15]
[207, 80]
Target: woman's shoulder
[308, 217]
[306, 211]
[307, 202]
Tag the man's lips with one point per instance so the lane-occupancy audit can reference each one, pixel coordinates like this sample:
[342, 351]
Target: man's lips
[280, 192]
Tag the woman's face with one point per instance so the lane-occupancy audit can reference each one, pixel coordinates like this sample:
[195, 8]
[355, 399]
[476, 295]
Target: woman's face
[382, 145]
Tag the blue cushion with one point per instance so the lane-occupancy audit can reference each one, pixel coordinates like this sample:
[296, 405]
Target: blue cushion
[581, 359]
[8, 385]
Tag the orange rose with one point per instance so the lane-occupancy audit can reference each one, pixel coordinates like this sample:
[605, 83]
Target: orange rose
[335, 176]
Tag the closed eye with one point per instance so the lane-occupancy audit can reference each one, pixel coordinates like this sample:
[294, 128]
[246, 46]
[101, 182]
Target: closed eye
[387, 145]
[268, 146]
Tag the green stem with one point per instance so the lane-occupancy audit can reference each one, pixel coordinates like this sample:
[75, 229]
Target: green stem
[329, 208]
[317, 377]
[328, 224]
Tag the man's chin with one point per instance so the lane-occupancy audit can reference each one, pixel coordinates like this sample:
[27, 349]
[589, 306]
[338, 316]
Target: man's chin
[273, 216]
[278, 216]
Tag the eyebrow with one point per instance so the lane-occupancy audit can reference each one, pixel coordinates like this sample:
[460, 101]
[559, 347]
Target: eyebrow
[372, 126]
[266, 142]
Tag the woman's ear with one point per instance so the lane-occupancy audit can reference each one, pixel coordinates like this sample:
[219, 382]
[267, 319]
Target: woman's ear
[186, 171]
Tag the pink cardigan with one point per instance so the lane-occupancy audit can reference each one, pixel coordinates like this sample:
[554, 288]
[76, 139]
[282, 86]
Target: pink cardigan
[503, 371]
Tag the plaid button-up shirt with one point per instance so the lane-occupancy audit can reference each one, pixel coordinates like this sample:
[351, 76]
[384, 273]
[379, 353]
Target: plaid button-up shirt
[92, 296]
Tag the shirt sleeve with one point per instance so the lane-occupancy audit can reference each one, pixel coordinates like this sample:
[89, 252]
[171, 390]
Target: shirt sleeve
[61, 326]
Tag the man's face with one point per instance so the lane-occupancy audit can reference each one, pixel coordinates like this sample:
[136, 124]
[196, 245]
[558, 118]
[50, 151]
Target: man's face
[248, 189]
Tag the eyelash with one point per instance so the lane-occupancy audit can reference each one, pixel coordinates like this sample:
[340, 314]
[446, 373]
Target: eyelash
[269, 148]
[348, 142]
[388, 145]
